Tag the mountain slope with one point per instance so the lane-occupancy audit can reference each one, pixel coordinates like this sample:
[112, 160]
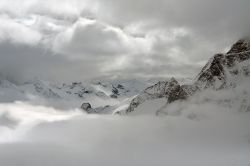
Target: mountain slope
[223, 71]
[100, 93]
[171, 90]
[226, 70]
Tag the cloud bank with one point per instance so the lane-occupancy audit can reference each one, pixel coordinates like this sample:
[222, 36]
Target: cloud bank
[94, 38]
[217, 137]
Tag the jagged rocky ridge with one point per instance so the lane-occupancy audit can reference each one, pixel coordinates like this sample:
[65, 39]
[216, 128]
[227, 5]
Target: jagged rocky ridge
[225, 70]
[222, 71]
[171, 90]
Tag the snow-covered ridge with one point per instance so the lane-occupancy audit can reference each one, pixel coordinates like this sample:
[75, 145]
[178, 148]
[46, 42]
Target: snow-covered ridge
[171, 90]
[117, 95]
[222, 71]
[225, 70]
[100, 93]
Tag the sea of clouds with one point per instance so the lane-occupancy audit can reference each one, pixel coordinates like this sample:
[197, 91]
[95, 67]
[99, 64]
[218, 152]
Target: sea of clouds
[199, 132]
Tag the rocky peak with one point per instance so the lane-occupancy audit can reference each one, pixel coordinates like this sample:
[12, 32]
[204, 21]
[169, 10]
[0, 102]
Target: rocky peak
[171, 90]
[157, 89]
[177, 93]
[213, 71]
[162, 87]
[223, 68]
[241, 45]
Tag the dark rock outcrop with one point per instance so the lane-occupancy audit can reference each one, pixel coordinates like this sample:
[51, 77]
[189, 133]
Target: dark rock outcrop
[115, 92]
[224, 69]
[178, 93]
[241, 45]
[113, 96]
[87, 107]
[119, 86]
[171, 90]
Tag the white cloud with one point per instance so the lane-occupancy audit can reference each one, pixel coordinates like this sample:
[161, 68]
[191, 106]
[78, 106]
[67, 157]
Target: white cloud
[89, 38]
[208, 129]
[147, 33]
[13, 31]
[216, 136]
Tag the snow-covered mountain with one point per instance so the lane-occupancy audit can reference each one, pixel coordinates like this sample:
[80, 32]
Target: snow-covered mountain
[100, 93]
[9, 92]
[171, 90]
[123, 96]
[226, 70]
[208, 117]
[106, 95]
[222, 72]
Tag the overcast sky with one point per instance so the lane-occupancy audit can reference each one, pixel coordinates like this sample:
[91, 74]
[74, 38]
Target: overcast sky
[66, 40]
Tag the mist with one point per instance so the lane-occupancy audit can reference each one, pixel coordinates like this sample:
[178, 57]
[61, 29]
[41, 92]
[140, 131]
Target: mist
[201, 131]
[70, 70]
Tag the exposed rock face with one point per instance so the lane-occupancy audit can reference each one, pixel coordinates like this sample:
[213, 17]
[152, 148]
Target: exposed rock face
[189, 89]
[87, 107]
[78, 89]
[119, 86]
[117, 90]
[240, 46]
[98, 110]
[224, 70]
[213, 74]
[171, 90]
[177, 93]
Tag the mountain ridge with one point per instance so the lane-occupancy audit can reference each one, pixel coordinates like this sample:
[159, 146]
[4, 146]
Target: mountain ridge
[123, 96]
[221, 71]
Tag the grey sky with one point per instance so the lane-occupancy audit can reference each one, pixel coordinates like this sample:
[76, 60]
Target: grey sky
[65, 40]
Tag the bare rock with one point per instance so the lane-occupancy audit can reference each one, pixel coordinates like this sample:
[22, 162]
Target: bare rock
[171, 90]
[87, 107]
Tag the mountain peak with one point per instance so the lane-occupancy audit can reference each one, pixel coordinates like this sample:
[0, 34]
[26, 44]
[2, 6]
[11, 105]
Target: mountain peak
[223, 70]
[173, 80]
[171, 90]
[241, 45]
